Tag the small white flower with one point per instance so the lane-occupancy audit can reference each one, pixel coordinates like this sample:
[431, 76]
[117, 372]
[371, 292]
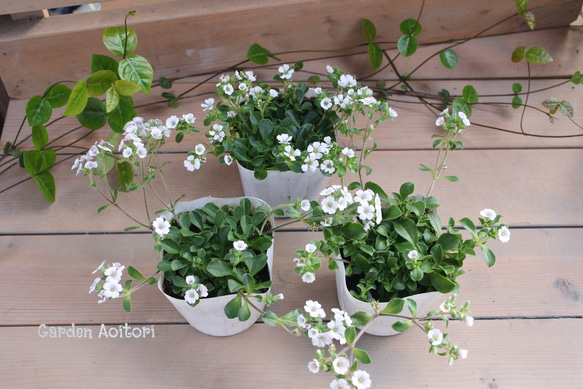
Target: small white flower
[285, 71]
[189, 117]
[273, 93]
[463, 354]
[89, 165]
[113, 274]
[191, 296]
[308, 277]
[326, 103]
[348, 152]
[199, 149]
[189, 280]
[111, 290]
[314, 366]
[488, 213]
[413, 254]
[141, 151]
[341, 365]
[439, 122]
[203, 291]
[310, 248]
[327, 166]
[239, 245]
[393, 113]
[504, 234]
[361, 379]
[305, 205]
[99, 267]
[314, 309]
[95, 282]
[378, 210]
[464, 118]
[301, 321]
[363, 196]
[161, 226]
[284, 139]
[191, 163]
[347, 81]
[469, 321]
[365, 211]
[228, 159]
[329, 205]
[172, 121]
[93, 151]
[435, 336]
[127, 152]
[329, 69]
[445, 307]
[208, 104]
[340, 383]
[228, 89]
[156, 132]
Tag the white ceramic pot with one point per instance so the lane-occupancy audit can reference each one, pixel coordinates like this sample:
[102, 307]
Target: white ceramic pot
[277, 186]
[208, 316]
[383, 325]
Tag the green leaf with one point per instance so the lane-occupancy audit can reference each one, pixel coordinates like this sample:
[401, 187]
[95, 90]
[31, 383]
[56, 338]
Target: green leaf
[516, 102]
[77, 100]
[469, 225]
[219, 268]
[103, 62]
[38, 111]
[410, 27]
[407, 230]
[259, 55]
[93, 116]
[165, 83]
[406, 190]
[99, 82]
[519, 54]
[361, 355]
[538, 55]
[120, 41]
[111, 99]
[127, 303]
[402, 325]
[563, 106]
[57, 95]
[459, 105]
[244, 312]
[516, 88]
[576, 78]
[412, 306]
[270, 319]
[470, 94]
[407, 45]
[448, 241]
[394, 307]
[360, 319]
[125, 174]
[448, 58]
[530, 20]
[138, 70]
[46, 184]
[233, 306]
[521, 6]
[375, 55]
[369, 30]
[488, 256]
[441, 283]
[123, 113]
[127, 88]
[134, 273]
[40, 136]
[313, 80]
[350, 334]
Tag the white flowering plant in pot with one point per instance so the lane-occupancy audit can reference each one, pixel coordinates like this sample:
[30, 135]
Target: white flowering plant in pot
[287, 126]
[394, 248]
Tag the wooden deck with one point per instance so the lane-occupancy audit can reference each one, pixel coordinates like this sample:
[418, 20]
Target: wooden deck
[528, 307]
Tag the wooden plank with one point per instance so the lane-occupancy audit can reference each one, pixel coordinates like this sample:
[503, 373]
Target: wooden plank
[18, 6]
[513, 182]
[528, 280]
[336, 25]
[504, 353]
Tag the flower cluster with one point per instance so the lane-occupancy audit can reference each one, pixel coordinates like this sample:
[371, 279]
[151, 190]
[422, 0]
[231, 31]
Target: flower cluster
[325, 334]
[108, 284]
[453, 123]
[194, 290]
[88, 161]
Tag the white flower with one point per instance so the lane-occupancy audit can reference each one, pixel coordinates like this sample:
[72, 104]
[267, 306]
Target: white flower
[273, 93]
[445, 307]
[89, 165]
[326, 103]
[111, 290]
[314, 309]
[327, 166]
[341, 365]
[172, 121]
[243, 87]
[239, 245]
[156, 132]
[191, 296]
[310, 248]
[347, 80]
[308, 277]
[208, 104]
[337, 330]
[439, 122]
[93, 151]
[189, 117]
[413, 254]
[365, 211]
[95, 282]
[113, 274]
[378, 210]
[189, 280]
[191, 163]
[284, 139]
[203, 291]
[504, 234]
[464, 118]
[488, 213]
[341, 316]
[340, 383]
[469, 321]
[302, 322]
[161, 226]
[393, 113]
[141, 151]
[228, 89]
[199, 149]
[314, 366]
[435, 336]
[228, 159]
[329, 205]
[361, 379]
[363, 196]
[305, 205]
[329, 69]
[463, 354]
[127, 152]
[99, 267]
[285, 71]
[348, 152]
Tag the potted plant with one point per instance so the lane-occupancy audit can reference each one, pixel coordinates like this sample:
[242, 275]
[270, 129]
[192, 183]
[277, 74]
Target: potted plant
[286, 136]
